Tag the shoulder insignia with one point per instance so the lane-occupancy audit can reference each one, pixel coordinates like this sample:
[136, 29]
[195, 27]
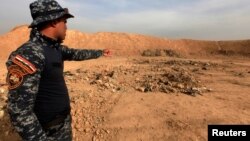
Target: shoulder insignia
[24, 64]
[15, 76]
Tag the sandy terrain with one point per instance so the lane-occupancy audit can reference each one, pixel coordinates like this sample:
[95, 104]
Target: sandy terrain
[167, 97]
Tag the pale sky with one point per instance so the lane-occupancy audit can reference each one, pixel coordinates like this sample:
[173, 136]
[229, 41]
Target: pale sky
[174, 19]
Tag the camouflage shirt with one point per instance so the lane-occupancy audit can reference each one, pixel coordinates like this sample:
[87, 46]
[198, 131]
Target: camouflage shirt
[25, 67]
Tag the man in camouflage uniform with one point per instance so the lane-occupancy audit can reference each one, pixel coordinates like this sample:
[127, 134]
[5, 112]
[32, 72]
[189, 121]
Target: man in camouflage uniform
[38, 100]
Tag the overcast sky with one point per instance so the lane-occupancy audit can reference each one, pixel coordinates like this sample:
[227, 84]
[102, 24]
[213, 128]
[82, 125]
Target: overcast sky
[176, 19]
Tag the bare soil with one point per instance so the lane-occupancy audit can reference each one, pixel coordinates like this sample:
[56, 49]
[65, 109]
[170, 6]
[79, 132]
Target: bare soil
[150, 98]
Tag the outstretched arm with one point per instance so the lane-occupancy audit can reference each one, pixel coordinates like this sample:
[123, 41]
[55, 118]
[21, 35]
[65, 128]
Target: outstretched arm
[82, 54]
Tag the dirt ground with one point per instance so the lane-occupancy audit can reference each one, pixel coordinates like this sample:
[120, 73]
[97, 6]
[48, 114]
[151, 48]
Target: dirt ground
[150, 98]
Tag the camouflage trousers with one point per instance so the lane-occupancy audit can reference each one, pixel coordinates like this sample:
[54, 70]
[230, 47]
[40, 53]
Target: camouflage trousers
[60, 132]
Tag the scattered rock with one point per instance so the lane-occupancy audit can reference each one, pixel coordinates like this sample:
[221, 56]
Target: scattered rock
[141, 89]
[160, 52]
[79, 127]
[6, 133]
[97, 132]
[4, 98]
[2, 90]
[107, 131]
[95, 138]
[174, 81]
[1, 114]
[87, 130]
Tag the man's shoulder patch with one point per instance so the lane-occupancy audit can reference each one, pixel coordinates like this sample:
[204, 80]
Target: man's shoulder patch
[15, 76]
[24, 64]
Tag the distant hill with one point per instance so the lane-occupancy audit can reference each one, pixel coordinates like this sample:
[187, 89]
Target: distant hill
[128, 44]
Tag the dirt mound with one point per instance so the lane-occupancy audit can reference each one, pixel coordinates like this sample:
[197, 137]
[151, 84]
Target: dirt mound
[11, 40]
[125, 44]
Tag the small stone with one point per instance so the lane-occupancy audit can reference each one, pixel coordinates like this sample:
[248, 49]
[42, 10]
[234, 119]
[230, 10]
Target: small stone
[95, 138]
[113, 90]
[181, 86]
[99, 81]
[97, 132]
[74, 135]
[141, 89]
[4, 98]
[209, 90]
[107, 85]
[87, 123]
[107, 131]
[86, 78]
[81, 130]
[87, 130]
[205, 68]
[6, 133]
[1, 114]
[195, 89]
[105, 78]
[78, 127]
[2, 91]
[111, 85]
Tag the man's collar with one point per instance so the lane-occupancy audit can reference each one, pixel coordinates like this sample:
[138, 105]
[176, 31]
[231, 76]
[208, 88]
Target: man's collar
[44, 39]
